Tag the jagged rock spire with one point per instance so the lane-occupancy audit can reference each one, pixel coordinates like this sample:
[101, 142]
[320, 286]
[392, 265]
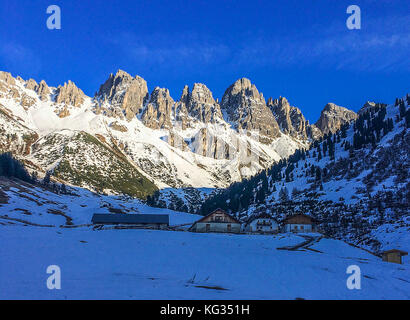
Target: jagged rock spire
[290, 119]
[157, 114]
[202, 106]
[124, 92]
[69, 94]
[247, 109]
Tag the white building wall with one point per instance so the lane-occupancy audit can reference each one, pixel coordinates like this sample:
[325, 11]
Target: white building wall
[254, 227]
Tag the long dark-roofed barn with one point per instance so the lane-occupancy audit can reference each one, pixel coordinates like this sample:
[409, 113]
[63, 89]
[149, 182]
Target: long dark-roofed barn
[159, 221]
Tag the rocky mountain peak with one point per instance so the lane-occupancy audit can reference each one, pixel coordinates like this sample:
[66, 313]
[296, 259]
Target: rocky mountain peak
[333, 117]
[280, 104]
[160, 93]
[7, 78]
[201, 94]
[121, 74]
[246, 109]
[185, 95]
[31, 84]
[245, 88]
[69, 94]
[42, 90]
[181, 110]
[124, 92]
[202, 105]
[290, 119]
[157, 114]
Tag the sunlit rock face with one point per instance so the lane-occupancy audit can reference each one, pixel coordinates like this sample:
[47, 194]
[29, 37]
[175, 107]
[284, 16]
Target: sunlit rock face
[333, 117]
[246, 108]
[124, 93]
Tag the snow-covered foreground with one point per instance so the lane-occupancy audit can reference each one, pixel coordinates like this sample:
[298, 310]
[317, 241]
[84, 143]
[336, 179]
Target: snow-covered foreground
[34, 205]
[148, 264]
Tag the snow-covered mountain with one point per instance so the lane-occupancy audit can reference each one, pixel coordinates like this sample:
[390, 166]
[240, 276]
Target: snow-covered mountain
[355, 180]
[146, 140]
[350, 171]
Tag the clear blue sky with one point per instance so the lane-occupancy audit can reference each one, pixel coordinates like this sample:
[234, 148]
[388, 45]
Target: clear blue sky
[298, 49]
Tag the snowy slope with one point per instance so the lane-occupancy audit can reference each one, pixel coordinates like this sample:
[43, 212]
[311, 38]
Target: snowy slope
[141, 264]
[360, 193]
[24, 204]
[40, 228]
[178, 163]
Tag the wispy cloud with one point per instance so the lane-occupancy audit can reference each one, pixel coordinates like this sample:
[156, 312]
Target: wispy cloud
[15, 56]
[382, 45]
[176, 50]
[353, 52]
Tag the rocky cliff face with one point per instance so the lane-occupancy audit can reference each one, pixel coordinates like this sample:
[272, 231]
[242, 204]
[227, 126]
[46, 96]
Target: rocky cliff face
[31, 84]
[43, 90]
[7, 78]
[290, 119]
[246, 108]
[333, 117]
[313, 132]
[200, 144]
[125, 94]
[181, 110]
[157, 113]
[6, 85]
[69, 94]
[202, 105]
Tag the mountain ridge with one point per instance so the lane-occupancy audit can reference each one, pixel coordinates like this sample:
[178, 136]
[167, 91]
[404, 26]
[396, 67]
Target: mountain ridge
[195, 141]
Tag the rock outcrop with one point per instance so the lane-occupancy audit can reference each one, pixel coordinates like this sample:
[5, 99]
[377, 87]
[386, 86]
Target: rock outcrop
[63, 112]
[333, 117]
[157, 113]
[7, 78]
[31, 84]
[246, 108]
[290, 119]
[27, 101]
[124, 92]
[181, 110]
[118, 127]
[176, 141]
[313, 132]
[202, 105]
[70, 95]
[42, 90]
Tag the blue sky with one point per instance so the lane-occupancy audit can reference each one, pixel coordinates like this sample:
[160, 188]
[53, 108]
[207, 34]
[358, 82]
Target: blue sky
[298, 49]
